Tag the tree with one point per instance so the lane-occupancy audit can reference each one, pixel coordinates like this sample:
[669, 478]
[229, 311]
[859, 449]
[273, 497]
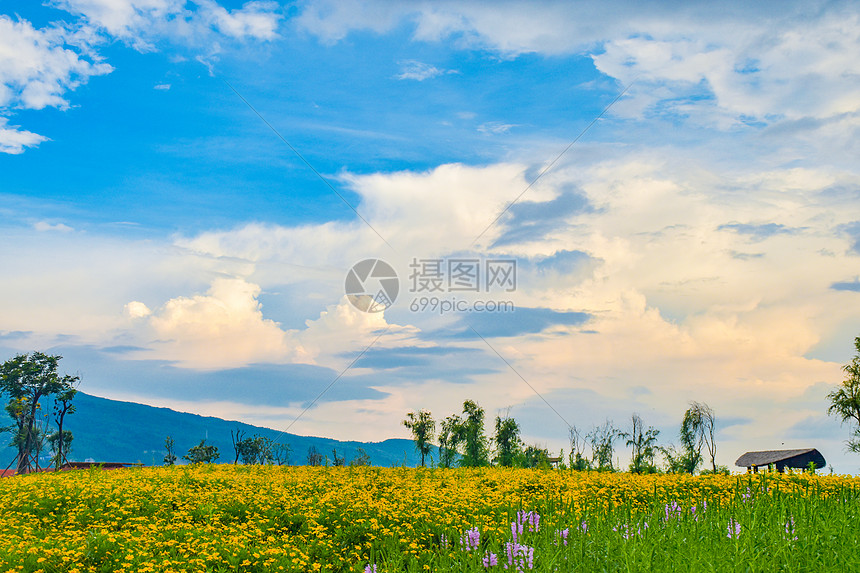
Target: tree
[60, 447]
[603, 444]
[578, 461]
[423, 427]
[338, 461]
[314, 457]
[361, 458]
[476, 451]
[845, 401]
[709, 428]
[254, 450]
[202, 454]
[25, 380]
[534, 457]
[642, 443]
[236, 438]
[281, 453]
[170, 457]
[61, 441]
[450, 436]
[507, 440]
[697, 430]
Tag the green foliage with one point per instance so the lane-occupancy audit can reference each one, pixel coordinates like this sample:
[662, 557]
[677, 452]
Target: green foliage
[314, 457]
[507, 441]
[255, 450]
[202, 454]
[423, 427]
[845, 401]
[476, 450]
[449, 440]
[281, 453]
[25, 380]
[170, 456]
[534, 457]
[602, 440]
[643, 444]
[361, 459]
[577, 458]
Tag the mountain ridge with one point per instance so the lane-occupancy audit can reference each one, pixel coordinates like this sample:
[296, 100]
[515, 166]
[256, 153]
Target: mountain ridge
[108, 430]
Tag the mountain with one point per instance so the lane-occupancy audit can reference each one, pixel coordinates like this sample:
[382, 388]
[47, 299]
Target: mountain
[113, 431]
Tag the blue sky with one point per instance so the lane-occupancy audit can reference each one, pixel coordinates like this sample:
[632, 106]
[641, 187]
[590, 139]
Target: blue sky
[698, 242]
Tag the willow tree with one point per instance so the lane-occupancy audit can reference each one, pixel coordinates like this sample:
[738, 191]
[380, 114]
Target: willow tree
[845, 401]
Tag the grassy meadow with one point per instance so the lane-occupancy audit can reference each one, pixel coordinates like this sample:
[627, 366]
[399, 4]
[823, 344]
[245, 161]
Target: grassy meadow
[266, 518]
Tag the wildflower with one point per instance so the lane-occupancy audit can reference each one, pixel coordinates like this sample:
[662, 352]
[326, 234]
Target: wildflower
[490, 559]
[530, 518]
[562, 535]
[471, 540]
[584, 527]
[789, 530]
[734, 529]
[443, 541]
[516, 530]
[520, 557]
[370, 568]
[673, 510]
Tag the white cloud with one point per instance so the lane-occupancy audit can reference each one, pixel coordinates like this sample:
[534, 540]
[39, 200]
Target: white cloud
[163, 87]
[40, 65]
[57, 227]
[136, 309]
[13, 140]
[419, 71]
[495, 127]
[222, 328]
[142, 23]
[722, 63]
[257, 20]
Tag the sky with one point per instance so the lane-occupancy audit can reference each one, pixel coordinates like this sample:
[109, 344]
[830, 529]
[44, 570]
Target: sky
[672, 189]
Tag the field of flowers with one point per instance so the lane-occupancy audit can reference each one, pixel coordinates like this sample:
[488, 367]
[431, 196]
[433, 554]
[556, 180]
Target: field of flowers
[243, 518]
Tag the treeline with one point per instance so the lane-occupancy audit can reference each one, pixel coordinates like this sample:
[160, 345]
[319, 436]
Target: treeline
[462, 442]
[258, 450]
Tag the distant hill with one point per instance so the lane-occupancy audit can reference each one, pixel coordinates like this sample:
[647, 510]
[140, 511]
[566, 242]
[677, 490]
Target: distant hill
[110, 430]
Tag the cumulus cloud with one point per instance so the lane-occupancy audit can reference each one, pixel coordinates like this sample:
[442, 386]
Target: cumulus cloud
[40, 65]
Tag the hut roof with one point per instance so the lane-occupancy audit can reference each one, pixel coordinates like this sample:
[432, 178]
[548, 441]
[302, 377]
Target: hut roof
[767, 457]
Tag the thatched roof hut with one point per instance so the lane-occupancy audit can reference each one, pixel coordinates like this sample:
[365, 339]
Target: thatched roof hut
[782, 459]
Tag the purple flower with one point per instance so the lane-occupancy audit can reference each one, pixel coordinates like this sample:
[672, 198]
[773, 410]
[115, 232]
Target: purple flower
[516, 530]
[491, 559]
[734, 529]
[443, 541]
[789, 529]
[584, 527]
[530, 518]
[562, 535]
[370, 568]
[471, 540]
[672, 510]
[520, 557]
